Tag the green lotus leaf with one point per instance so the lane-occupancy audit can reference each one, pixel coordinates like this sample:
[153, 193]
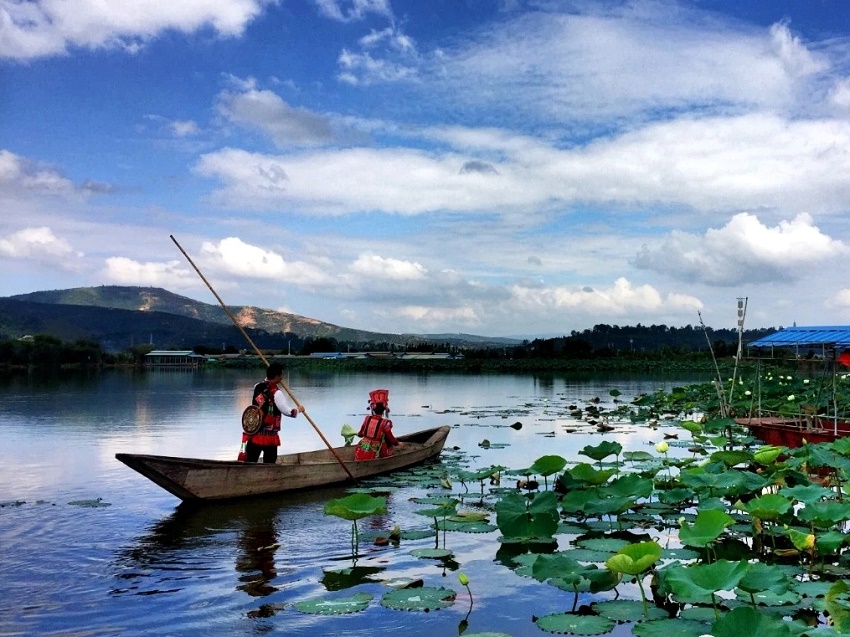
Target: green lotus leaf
[634, 559]
[356, 506]
[671, 628]
[577, 501]
[90, 504]
[746, 620]
[610, 544]
[570, 624]
[767, 454]
[691, 425]
[555, 565]
[638, 456]
[830, 542]
[335, 606]
[701, 480]
[627, 610]
[587, 555]
[425, 598]
[609, 506]
[768, 507]
[701, 580]
[769, 598]
[517, 518]
[807, 494]
[732, 458]
[631, 485]
[584, 472]
[417, 534]
[676, 495]
[547, 465]
[825, 514]
[707, 527]
[765, 577]
[602, 450]
[465, 527]
[838, 606]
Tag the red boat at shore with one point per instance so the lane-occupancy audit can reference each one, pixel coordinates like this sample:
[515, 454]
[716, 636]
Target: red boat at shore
[793, 432]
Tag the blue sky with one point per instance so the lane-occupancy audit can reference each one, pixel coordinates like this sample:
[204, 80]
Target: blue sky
[497, 168]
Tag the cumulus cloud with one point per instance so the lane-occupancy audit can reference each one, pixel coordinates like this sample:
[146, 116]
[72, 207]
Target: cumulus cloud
[20, 173]
[37, 243]
[376, 267]
[744, 251]
[266, 112]
[40, 28]
[620, 299]
[234, 256]
[126, 271]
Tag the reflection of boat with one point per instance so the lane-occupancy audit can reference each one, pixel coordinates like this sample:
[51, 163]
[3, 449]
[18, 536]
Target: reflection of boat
[198, 479]
[791, 432]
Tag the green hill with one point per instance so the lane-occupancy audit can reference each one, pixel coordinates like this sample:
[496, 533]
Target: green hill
[120, 316]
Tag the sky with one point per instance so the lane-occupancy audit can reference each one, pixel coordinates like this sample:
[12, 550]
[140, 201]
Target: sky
[494, 167]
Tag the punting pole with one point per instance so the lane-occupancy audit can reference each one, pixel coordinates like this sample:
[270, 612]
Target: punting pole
[263, 358]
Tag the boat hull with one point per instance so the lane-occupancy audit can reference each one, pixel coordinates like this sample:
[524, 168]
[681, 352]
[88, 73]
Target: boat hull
[198, 479]
[792, 432]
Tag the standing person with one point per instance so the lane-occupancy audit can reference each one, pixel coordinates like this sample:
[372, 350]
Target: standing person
[271, 400]
[376, 432]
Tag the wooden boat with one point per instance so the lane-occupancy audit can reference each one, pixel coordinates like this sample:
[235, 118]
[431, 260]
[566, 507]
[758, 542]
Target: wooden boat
[792, 431]
[197, 479]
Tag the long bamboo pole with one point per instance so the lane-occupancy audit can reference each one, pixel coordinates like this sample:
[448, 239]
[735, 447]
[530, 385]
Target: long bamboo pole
[263, 358]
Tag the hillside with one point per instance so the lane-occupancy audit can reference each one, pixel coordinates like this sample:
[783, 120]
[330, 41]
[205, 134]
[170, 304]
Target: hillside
[119, 316]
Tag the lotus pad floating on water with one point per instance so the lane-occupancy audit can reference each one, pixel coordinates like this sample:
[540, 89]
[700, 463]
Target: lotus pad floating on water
[426, 598]
[570, 624]
[672, 628]
[628, 610]
[336, 606]
[437, 554]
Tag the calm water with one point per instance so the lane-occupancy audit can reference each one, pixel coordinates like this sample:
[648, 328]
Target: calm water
[142, 564]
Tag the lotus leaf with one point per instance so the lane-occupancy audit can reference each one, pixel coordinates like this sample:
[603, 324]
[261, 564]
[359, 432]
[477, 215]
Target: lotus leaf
[577, 500]
[609, 506]
[583, 472]
[465, 527]
[634, 559]
[703, 580]
[732, 458]
[356, 506]
[547, 465]
[602, 450]
[767, 454]
[807, 494]
[706, 528]
[671, 628]
[335, 606]
[830, 542]
[825, 514]
[768, 507]
[425, 598]
[638, 456]
[610, 544]
[517, 518]
[628, 610]
[765, 577]
[748, 621]
[676, 495]
[630, 485]
[571, 624]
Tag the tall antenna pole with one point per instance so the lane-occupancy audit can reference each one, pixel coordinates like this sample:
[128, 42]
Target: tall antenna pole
[742, 313]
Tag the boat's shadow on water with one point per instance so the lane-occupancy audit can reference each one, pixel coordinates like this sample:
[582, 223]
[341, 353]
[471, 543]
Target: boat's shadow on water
[261, 539]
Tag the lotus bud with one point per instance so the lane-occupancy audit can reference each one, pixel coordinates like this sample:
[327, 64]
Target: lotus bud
[661, 447]
[463, 579]
[791, 398]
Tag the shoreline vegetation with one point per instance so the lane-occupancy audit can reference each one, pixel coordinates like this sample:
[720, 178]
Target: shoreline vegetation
[539, 356]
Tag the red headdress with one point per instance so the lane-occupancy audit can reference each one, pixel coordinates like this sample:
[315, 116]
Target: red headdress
[380, 396]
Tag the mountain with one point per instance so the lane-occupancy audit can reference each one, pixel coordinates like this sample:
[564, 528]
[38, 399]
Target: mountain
[120, 316]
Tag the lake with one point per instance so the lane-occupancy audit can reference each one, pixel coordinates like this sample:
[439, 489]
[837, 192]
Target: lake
[89, 547]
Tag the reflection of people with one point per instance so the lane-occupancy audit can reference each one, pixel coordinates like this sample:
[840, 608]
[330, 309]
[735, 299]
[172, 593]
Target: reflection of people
[256, 558]
[376, 432]
[271, 400]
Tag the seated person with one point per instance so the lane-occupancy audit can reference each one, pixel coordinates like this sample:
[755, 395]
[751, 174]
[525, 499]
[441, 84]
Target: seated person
[377, 439]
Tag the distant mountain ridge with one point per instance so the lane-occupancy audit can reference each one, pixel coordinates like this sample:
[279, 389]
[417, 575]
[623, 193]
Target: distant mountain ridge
[114, 314]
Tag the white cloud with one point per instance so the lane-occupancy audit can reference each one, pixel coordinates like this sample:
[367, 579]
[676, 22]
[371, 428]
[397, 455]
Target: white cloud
[234, 256]
[37, 243]
[353, 10]
[744, 251]
[377, 268]
[20, 173]
[39, 28]
[620, 299]
[125, 271]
